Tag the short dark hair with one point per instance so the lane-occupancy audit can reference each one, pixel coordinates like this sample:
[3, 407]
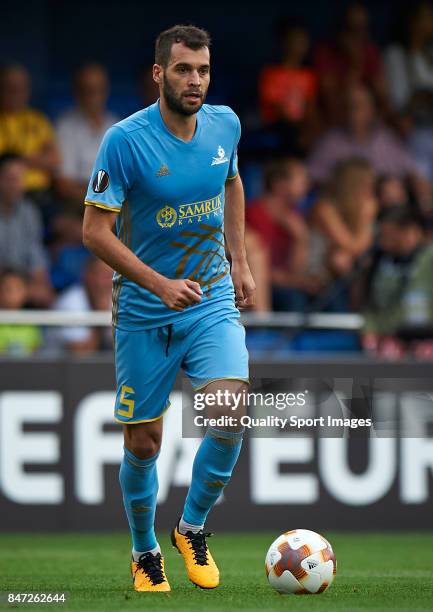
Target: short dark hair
[192, 37]
[9, 157]
[6, 68]
[402, 217]
[83, 66]
[277, 169]
[6, 272]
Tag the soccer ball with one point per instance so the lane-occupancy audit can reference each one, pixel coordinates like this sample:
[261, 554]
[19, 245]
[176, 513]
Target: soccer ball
[300, 562]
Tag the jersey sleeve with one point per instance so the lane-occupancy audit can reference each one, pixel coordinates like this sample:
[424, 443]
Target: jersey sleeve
[112, 173]
[233, 165]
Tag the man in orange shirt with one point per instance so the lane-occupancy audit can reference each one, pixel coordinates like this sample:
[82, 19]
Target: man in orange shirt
[287, 89]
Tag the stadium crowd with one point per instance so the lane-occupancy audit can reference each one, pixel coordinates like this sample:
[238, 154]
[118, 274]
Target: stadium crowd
[337, 161]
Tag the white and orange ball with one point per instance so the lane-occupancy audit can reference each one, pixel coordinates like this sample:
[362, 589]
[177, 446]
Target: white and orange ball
[300, 562]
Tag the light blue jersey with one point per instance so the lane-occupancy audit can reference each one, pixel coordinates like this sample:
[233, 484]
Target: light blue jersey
[170, 196]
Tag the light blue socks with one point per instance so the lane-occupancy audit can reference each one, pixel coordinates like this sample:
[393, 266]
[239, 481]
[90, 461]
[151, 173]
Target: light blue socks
[139, 484]
[212, 469]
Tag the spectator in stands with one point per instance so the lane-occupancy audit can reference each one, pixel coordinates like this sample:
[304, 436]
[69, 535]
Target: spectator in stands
[288, 90]
[362, 135]
[409, 68]
[399, 288]
[274, 221]
[80, 130]
[409, 60]
[391, 191]
[21, 233]
[26, 131]
[68, 255]
[343, 219]
[420, 144]
[93, 294]
[350, 58]
[14, 293]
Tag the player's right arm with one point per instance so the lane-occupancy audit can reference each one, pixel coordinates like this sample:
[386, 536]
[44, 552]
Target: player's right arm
[98, 237]
[105, 196]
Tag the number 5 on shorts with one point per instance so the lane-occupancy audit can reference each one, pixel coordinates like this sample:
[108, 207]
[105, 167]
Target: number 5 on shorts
[126, 402]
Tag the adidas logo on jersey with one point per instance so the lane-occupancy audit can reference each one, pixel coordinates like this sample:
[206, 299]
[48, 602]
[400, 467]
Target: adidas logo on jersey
[163, 171]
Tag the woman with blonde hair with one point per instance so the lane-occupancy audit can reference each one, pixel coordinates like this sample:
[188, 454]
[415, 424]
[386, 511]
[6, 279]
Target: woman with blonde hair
[343, 218]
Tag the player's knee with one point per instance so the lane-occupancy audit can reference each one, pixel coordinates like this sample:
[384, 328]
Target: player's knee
[145, 449]
[233, 405]
[143, 444]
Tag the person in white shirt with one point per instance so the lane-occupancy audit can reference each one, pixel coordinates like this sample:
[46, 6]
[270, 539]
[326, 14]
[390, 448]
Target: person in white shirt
[93, 294]
[80, 130]
[409, 61]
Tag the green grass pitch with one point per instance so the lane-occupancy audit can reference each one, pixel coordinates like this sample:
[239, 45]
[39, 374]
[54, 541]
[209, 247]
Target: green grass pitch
[375, 571]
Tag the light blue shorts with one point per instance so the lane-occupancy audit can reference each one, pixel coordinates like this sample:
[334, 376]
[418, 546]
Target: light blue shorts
[207, 348]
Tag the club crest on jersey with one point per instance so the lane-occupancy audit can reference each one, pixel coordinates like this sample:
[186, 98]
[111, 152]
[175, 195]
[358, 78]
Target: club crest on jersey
[166, 217]
[101, 181]
[221, 157]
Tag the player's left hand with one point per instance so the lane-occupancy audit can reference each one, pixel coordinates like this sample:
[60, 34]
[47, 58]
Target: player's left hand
[245, 287]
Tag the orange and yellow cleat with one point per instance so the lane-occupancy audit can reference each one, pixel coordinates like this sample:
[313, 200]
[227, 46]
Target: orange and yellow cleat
[148, 574]
[200, 566]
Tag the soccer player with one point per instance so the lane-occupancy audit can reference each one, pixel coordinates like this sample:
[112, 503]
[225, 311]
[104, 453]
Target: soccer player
[167, 178]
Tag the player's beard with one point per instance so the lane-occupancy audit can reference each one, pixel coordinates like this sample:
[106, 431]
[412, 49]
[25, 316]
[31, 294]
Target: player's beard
[175, 101]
